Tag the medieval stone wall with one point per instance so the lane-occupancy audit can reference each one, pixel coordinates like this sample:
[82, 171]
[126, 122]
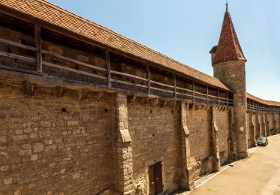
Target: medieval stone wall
[155, 138]
[198, 122]
[251, 129]
[270, 125]
[222, 122]
[261, 124]
[277, 119]
[54, 145]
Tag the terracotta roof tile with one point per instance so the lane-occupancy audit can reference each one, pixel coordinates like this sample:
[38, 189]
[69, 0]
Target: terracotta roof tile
[229, 47]
[55, 15]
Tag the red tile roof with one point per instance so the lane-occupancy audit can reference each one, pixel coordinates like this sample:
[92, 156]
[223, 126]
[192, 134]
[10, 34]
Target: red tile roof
[228, 47]
[265, 102]
[59, 17]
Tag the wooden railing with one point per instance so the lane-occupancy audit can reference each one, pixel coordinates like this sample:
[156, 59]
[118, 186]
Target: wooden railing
[262, 108]
[46, 62]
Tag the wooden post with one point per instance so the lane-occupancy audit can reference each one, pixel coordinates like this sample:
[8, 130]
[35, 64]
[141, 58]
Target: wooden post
[227, 99]
[207, 92]
[193, 99]
[175, 84]
[149, 78]
[108, 63]
[38, 42]
[218, 92]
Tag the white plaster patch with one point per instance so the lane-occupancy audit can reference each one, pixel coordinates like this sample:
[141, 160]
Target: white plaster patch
[276, 188]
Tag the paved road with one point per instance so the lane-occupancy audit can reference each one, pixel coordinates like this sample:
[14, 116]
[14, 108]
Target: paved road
[258, 174]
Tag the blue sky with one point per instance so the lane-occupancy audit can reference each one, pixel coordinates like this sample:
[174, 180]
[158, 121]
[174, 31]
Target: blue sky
[187, 30]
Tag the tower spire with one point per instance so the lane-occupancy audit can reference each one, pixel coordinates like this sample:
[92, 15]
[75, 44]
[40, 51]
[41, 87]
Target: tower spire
[227, 6]
[228, 47]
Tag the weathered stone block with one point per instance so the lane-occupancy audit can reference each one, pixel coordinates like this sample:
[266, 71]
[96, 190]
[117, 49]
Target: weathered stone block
[38, 147]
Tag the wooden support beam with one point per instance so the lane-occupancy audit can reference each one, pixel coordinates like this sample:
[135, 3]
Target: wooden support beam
[100, 95]
[28, 88]
[131, 99]
[207, 93]
[163, 104]
[154, 101]
[218, 96]
[191, 106]
[148, 78]
[38, 43]
[59, 91]
[174, 83]
[82, 94]
[193, 94]
[108, 64]
[227, 99]
[144, 100]
[173, 104]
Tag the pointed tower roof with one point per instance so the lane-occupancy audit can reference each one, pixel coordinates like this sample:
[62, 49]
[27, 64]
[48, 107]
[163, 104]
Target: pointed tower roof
[228, 48]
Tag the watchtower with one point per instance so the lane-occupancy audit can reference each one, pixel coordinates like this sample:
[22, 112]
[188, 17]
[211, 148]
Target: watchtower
[228, 63]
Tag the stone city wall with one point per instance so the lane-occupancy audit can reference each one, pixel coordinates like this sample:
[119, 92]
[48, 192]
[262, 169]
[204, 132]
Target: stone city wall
[261, 124]
[204, 145]
[223, 124]
[155, 138]
[54, 145]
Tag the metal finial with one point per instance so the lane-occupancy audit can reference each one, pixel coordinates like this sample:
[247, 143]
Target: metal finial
[227, 6]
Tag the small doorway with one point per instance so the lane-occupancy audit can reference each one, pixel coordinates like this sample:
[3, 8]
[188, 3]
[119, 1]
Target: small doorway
[155, 179]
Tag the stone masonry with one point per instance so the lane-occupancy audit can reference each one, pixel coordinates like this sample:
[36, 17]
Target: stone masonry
[51, 145]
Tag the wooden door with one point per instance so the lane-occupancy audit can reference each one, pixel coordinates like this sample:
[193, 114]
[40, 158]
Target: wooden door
[155, 178]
